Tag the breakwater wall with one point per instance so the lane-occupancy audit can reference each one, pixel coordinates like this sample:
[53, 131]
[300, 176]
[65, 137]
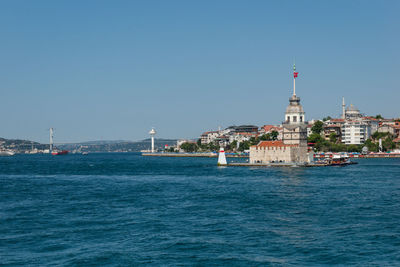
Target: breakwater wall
[195, 155]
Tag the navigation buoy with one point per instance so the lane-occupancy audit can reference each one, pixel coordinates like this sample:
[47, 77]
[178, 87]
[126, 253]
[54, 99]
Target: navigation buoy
[221, 157]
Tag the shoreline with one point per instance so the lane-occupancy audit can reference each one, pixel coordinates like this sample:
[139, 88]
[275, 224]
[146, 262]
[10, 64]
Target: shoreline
[194, 155]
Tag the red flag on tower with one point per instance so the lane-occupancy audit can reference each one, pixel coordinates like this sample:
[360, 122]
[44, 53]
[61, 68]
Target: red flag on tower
[295, 74]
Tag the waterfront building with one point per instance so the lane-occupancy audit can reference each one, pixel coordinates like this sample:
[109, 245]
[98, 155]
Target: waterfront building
[243, 129]
[332, 128]
[209, 137]
[241, 137]
[267, 129]
[394, 130]
[293, 146]
[372, 122]
[222, 140]
[388, 122]
[352, 127]
[355, 132]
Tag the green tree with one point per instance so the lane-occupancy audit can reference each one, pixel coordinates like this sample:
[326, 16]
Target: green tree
[354, 148]
[379, 117]
[378, 135]
[213, 146]
[234, 144]
[245, 145]
[199, 142]
[333, 137]
[189, 147]
[338, 147]
[315, 138]
[274, 135]
[373, 147]
[317, 127]
[327, 118]
[388, 144]
[170, 149]
[254, 141]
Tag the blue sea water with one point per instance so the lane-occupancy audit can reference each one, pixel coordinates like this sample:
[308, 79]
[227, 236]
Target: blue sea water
[125, 209]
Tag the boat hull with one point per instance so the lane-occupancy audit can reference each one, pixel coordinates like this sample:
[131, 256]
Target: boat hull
[6, 153]
[64, 152]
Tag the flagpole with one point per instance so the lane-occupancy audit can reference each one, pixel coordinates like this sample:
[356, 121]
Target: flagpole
[294, 79]
[294, 86]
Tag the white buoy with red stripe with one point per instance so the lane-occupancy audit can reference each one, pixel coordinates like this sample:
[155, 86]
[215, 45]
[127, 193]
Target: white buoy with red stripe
[221, 157]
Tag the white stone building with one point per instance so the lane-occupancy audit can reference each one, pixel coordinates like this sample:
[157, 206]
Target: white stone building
[267, 129]
[209, 137]
[355, 132]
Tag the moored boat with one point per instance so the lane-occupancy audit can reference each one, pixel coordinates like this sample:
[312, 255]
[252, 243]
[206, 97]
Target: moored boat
[62, 152]
[6, 152]
[339, 160]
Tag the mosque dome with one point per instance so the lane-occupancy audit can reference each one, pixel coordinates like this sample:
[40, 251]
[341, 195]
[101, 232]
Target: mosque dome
[352, 108]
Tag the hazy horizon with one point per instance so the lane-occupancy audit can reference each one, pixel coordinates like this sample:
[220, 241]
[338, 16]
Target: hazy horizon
[111, 70]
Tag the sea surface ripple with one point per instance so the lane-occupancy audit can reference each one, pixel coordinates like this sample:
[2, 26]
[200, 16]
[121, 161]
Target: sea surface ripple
[123, 209]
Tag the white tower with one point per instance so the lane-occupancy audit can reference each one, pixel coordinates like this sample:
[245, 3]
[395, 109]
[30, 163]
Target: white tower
[343, 109]
[152, 133]
[221, 157]
[294, 112]
[295, 127]
[51, 140]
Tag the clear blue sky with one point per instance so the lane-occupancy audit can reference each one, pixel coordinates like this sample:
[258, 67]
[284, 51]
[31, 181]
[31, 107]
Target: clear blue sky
[101, 70]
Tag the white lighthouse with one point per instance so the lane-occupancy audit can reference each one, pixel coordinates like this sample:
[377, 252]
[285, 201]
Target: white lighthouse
[152, 134]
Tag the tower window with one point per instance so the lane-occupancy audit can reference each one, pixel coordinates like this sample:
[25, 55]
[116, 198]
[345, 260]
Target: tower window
[288, 118]
[294, 118]
[301, 118]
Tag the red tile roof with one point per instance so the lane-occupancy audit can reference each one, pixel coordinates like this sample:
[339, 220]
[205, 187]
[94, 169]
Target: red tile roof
[209, 132]
[371, 118]
[336, 120]
[268, 128]
[245, 133]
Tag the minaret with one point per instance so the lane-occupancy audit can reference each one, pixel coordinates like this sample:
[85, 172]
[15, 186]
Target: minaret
[152, 133]
[343, 109]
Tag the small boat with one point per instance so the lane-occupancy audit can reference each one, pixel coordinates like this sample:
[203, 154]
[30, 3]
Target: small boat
[339, 160]
[85, 153]
[57, 152]
[6, 152]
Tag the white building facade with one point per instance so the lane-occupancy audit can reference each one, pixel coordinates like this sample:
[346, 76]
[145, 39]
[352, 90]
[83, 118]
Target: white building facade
[355, 132]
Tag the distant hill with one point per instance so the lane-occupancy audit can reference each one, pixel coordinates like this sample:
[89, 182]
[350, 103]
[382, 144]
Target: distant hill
[20, 146]
[99, 142]
[117, 146]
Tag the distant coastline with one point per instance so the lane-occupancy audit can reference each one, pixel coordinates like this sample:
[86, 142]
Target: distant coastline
[19, 146]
